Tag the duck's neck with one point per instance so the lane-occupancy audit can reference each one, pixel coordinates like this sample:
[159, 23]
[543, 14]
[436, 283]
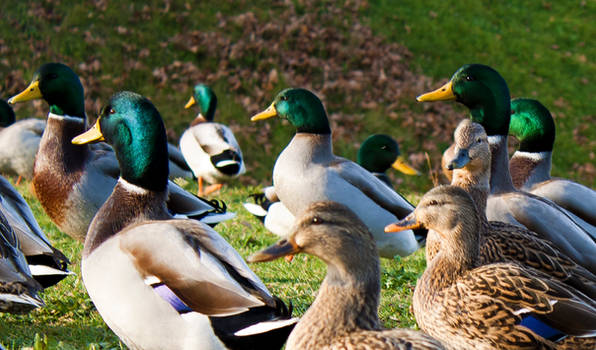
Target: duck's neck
[348, 300]
[308, 148]
[458, 254]
[128, 204]
[500, 178]
[477, 184]
[530, 168]
[56, 148]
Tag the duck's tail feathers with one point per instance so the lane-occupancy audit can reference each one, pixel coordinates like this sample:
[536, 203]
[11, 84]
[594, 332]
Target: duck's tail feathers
[265, 327]
[228, 162]
[47, 269]
[260, 207]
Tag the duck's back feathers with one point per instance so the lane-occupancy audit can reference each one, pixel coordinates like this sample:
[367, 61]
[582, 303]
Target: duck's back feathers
[394, 339]
[19, 143]
[212, 152]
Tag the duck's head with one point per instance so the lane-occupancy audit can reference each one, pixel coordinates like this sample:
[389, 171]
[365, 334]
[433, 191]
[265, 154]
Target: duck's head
[134, 128]
[449, 211]
[380, 152]
[483, 90]
[328, 230]
[59, 86]
[441, 209]
[301, 108]
[533, 125]
[7, 116]
[472, 150]
[207, 101]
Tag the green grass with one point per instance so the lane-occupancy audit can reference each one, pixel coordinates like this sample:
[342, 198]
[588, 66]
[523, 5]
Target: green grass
[541, 48]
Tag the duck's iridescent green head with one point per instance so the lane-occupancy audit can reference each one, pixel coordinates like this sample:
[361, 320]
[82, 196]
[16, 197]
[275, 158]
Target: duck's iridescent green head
[7, 116]
[301, 108]
[533, 125]
[483, 90]
[134, 128]
[206, 99]
[59, 86]
[380, 152]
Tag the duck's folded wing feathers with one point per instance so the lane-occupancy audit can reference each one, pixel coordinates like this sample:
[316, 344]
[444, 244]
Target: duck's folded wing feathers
[374, 188]
[195, 263]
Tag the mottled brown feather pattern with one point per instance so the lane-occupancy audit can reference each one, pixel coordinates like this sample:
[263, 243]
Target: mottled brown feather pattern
[501, 242]
[472, 306]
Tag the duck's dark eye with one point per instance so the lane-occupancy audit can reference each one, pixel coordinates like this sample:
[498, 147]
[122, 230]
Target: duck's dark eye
[470, 78]
[284, 98]
[111, 111]
[383, 147]
[52, 76]
[479, 140]
[433, 202]
[316, 220]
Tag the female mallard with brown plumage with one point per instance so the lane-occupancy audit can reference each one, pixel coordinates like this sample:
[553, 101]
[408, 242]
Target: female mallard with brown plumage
[344, 314]
[73, 181]
[504, 305]
[485, 92]
[534, 127]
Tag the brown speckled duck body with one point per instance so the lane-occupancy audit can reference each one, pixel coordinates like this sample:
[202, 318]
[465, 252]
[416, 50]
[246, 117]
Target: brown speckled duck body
[502, 305]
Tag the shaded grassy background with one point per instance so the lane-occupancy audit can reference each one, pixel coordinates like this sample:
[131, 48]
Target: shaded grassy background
[366, 60]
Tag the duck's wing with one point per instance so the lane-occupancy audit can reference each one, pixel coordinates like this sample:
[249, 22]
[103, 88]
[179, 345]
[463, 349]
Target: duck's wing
[548, 221]
[178, 166]
[570, 195]
[374, 188]
[195, 264]
[18, 290]
[47, 264]
[513, 300]
[506, 242]
[182, 203]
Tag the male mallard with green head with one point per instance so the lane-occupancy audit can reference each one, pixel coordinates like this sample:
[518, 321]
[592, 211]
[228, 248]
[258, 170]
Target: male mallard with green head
[534, 127]
[210, 148]
[307, 171]
[160, 282]
[73, 181]
[484, 91]
[345, 313]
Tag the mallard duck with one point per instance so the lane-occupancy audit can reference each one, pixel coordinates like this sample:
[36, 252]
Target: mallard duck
[533, 125]
[307, 171]
[377, 154]
[73, 181]
[18, 290]
[494, 306]
[344, 314]
[160, 282]
[19, 142]
[485, 92]
[502, 242]
[210, 149]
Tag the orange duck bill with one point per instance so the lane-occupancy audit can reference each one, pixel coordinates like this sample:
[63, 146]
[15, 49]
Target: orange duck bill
[408, 223]
[282, 248]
